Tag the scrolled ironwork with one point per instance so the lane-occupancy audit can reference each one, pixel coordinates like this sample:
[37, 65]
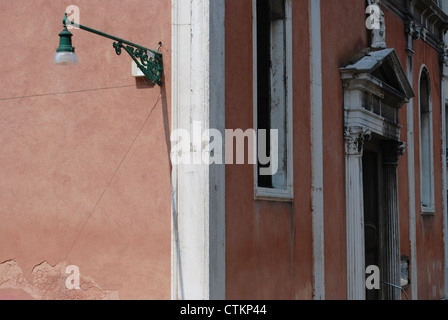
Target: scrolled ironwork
[118, 46]
[148, 62]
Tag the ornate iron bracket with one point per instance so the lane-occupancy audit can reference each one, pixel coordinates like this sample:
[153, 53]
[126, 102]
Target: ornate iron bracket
[149, 63]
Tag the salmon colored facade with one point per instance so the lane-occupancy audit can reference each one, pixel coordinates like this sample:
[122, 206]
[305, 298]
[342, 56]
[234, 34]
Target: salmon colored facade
[80, 183]
[87, 172]
[276, 238]
[271, 235]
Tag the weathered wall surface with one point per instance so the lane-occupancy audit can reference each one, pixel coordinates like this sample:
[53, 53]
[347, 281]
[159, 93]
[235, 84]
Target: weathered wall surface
[84, 160]
[429, 227]
[268, 244]
[340, 46]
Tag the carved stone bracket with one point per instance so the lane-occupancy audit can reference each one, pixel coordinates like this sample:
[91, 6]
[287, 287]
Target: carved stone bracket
[444, 54]
[413, 29]
[355, 137]
[392, 151]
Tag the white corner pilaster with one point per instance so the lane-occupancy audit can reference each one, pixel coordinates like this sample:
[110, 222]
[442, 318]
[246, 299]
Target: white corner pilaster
[317, 187]
[411, 172]
[444, 104]
[198, 189]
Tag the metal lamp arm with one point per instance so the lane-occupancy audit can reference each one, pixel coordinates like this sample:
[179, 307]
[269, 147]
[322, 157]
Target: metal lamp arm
[148, 61]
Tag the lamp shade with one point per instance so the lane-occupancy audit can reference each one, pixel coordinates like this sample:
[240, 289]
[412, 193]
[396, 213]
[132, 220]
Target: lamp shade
[65, 54]
[65, 58]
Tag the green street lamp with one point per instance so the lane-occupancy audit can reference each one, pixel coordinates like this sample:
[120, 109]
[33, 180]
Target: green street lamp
[147, 60]
[65, 54]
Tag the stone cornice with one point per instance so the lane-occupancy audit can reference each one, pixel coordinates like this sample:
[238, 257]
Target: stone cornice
[423, 19]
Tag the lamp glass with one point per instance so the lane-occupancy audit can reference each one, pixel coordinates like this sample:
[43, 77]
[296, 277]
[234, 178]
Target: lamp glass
[65, 58]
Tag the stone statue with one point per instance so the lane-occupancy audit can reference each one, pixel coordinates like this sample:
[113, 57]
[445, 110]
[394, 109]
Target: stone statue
[379, 29]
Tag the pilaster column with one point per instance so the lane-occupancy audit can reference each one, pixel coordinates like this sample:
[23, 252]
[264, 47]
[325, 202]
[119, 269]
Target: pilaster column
[413, 33]
[354, 144]
[389, 220]
[198, 189]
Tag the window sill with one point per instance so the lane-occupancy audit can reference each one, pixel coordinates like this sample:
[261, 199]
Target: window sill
[428, 211]
[268, 194]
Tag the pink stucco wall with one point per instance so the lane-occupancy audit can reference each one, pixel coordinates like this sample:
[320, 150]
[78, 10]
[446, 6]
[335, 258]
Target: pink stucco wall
[84, 160]
[85, 170]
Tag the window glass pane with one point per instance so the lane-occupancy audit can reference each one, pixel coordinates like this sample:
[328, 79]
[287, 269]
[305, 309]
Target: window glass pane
[272, 96]
[426, 149]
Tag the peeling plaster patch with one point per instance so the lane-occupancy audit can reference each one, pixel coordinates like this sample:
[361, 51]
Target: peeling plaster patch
[48, 283]
[11, 276]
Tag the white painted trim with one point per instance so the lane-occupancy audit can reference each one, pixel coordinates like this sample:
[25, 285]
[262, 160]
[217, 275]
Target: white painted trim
[444, 181]
[317, 187]
[411, 180]
[431, 209]
[273, 194]
[444, 100]
[198, 191]
[255, 89]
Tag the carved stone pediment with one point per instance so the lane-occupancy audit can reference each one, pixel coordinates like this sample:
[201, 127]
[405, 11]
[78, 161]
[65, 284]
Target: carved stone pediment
[375, 88]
